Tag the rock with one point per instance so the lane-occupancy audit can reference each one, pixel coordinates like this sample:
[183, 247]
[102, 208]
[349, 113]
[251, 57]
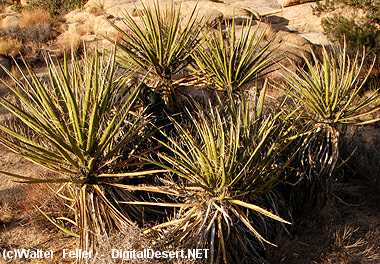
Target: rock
[316, 38]
[209, 15]
[24, 2]
[102, 27]
[231, 12]
[205, 8]
[257, 27]
[299, 18]
[10, 23]
[5, 62]
[121, 10]
[291, 48]
[78, 16]
[292, 41]
[88, 38]
[260, 7]
[228, 11]
[108, 4]
[286, 3]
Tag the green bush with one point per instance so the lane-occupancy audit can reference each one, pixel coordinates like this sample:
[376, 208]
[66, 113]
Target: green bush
[343, 28]
[57, 7]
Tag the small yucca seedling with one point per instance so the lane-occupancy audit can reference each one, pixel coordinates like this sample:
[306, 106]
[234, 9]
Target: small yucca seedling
[161, 46]
[228, 60]
[223, 170]
[328, 96]
[77, 125]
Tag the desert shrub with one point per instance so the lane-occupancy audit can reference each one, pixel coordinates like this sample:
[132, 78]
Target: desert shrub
[367, 34]
[346, 26]
[329, 5]
[57, 7]
[227, 162]
[160, 47]
[7, 213]
[228, 61]
[349, 246]
[75, 123]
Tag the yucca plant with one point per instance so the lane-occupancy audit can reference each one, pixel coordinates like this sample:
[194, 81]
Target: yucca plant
[328, 94]
[161, 46]
[228, 60]
[77, 125]
[224, 167]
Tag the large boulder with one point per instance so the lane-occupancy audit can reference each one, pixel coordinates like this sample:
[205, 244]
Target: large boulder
[298, 18]
[258, 27]
[291, 48]
[257, 7]
[316, 38]
[209, 14]
[286, 3]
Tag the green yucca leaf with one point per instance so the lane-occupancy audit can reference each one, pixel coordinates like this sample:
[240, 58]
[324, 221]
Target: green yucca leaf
[329, 90]
[59, 226]
[161, 45]
[77, 123]
[230, 62]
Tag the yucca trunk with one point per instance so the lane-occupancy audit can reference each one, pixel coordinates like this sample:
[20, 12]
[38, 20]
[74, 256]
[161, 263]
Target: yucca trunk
[319, 157]
[98, 217]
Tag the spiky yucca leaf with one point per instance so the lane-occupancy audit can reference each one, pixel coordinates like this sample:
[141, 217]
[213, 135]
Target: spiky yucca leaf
[328, 95]
[76, 125]
[329, 90]
[228, 162]
[161, 45]
[228, 60]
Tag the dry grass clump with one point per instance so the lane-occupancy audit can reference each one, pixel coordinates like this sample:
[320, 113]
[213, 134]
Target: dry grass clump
[69, 41]
[97, 9]
[6, 213]
[32, 17]
[35, 25]
[43, 198]
[10, 47]
[349, 247]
